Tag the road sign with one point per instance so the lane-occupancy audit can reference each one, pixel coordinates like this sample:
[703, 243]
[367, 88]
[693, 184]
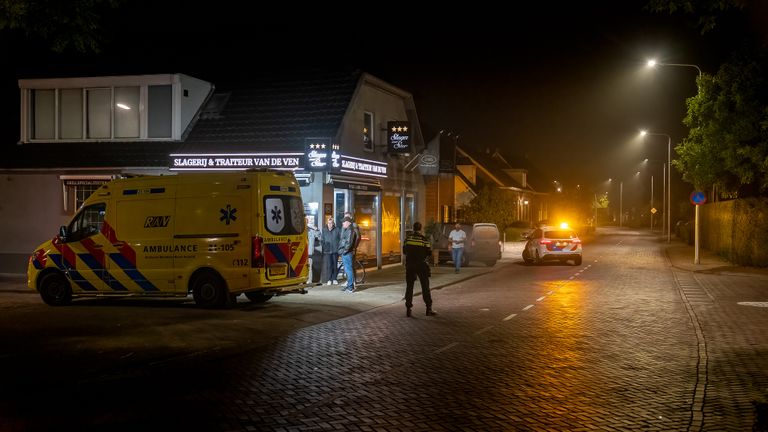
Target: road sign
[653, 210]
[698, 198]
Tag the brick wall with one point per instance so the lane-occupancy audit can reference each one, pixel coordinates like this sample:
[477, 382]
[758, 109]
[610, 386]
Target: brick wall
[737, 230]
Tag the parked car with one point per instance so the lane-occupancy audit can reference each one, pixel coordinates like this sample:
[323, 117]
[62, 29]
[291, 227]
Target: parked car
[551, 243]
[483, 243]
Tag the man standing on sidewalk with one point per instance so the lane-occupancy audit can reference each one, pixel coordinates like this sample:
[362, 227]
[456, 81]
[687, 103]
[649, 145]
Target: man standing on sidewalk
[417, 249]
[458, 237]
[347, 252]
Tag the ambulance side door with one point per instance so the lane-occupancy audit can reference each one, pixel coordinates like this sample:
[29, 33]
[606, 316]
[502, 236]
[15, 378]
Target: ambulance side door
[144, 224]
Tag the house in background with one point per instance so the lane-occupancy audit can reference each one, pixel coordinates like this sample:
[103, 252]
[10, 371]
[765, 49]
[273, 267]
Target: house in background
[346, 136]
[463, 172]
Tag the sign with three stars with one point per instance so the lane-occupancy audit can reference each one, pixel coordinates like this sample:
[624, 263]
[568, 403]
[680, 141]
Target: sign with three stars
[317, 151]
[399, 137]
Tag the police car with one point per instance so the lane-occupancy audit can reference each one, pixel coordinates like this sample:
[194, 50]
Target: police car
[552, 243]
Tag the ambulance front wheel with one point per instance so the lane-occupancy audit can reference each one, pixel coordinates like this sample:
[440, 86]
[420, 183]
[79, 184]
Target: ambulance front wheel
[209, 290]
[55, 290]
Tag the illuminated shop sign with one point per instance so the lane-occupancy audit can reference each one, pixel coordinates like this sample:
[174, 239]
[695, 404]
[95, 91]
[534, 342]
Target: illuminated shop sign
[399, 137]
[362, 166]
[318, 153]
[235, 161]
[280, 161]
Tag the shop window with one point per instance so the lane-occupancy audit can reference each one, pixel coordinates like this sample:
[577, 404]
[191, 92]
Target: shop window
[390, 228]
[77, 189]
[365, 216]
[368, 144]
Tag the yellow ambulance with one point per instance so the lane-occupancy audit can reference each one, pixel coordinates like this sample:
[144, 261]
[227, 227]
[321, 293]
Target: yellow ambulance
[212, 235]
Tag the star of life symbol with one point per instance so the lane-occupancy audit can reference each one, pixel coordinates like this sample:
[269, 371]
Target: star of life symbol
[228, 214]
[277, 214]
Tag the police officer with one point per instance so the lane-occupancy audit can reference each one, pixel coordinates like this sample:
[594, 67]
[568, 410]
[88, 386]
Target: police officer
[417, 249]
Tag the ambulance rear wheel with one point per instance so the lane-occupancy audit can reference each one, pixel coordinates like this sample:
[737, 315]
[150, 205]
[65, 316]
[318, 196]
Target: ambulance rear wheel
[258, 297]
[209, 291]
[55, 290]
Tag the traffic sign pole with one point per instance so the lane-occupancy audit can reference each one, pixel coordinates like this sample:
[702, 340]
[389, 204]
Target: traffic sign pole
[698, 198]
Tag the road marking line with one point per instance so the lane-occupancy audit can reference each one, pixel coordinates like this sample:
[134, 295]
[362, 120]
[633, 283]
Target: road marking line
[541, 298]
[483, 330]
[570, 278]
[509, 317]
[447, 347]
[527, 307]
[549, 292]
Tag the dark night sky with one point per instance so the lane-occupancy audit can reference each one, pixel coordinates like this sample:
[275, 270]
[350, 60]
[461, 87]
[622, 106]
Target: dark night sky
[564, 85]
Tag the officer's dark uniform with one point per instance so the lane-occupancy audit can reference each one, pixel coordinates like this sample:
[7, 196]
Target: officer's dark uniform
[417, 249]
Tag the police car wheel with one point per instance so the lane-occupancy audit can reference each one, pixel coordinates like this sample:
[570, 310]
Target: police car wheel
[258, 297]
[577, 261]
[209, 291]
[55, 290]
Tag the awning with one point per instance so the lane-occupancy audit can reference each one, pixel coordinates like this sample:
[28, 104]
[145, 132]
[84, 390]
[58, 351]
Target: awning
[355, 183]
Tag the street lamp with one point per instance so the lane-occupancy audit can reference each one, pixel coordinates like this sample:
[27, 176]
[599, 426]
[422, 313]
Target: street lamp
[669, 181]
[653, 63]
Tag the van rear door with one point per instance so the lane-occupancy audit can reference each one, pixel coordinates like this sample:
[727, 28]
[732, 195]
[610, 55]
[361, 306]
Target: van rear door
[285, 243]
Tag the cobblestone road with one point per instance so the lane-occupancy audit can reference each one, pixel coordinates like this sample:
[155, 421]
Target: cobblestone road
[623, 342]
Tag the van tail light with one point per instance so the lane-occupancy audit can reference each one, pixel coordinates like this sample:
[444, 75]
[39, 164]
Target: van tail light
[545, 241]
[257, 252]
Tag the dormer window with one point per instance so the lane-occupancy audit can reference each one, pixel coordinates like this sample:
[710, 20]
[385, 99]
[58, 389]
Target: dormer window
[160, 107]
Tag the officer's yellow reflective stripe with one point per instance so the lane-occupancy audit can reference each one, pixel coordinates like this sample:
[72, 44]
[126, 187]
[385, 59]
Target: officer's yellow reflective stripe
[413, 241]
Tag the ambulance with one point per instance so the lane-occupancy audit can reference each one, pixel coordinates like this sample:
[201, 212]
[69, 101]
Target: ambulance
[215, 236]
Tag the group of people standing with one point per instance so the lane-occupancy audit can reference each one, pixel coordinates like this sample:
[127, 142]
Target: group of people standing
[334, 242]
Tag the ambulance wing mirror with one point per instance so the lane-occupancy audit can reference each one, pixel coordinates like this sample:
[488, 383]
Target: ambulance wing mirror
[63, 233]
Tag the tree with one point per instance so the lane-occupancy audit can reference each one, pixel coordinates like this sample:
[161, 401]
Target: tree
[727, 145]
[706, 12]
[74, 24]
[492, 205]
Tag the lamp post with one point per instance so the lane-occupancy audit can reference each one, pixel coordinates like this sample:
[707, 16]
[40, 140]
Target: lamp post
[669, 182]
[653, 63]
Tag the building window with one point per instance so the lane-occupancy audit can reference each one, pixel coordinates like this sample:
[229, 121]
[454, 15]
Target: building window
[71, 113]
[107, 113]
[99, 120]
[368, 143]
[77, 189]
[159, 111]
[43, 108]
[126, 112]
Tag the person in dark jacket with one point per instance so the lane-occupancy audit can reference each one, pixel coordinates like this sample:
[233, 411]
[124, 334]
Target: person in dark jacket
[347, 252]
[330, 245]
[417, 250]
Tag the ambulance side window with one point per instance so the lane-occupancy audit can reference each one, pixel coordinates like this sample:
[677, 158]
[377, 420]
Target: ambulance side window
[284, 214]
[87, 222]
